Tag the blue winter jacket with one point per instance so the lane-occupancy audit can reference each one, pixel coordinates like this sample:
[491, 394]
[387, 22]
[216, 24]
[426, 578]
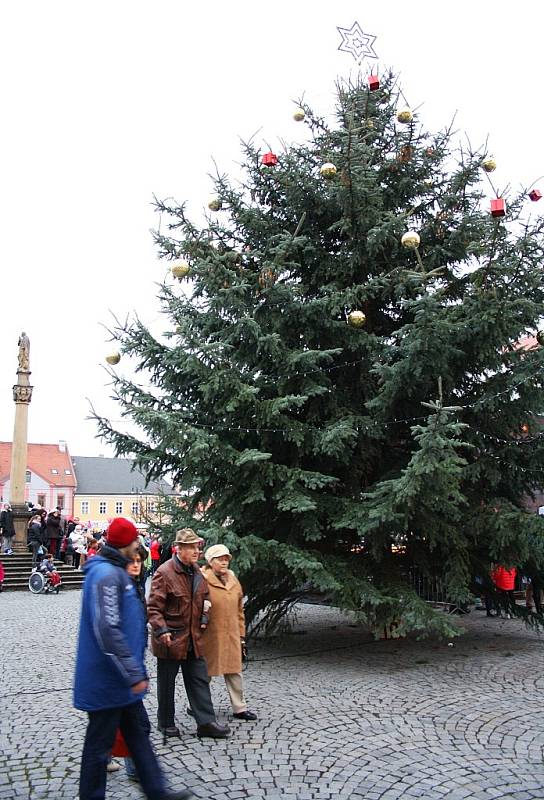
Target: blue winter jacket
[112, 636]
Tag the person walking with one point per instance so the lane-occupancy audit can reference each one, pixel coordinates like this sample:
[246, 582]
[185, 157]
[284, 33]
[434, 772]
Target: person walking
[110, 655]
[7, 529]
[156, 548]
[53, 531]
[505, 580]
[224, 639]
[35, 538]
[177, 611]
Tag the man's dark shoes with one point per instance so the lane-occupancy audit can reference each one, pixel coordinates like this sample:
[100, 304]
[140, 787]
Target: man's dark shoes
[184, 794]
[170, 732]
[212, 730]
[248, 716]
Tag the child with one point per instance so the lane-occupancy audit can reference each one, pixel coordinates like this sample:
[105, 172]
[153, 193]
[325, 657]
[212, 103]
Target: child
[92, 548]
[48, 568]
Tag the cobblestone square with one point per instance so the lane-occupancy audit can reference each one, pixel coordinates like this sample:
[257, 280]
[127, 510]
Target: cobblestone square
[340, 716]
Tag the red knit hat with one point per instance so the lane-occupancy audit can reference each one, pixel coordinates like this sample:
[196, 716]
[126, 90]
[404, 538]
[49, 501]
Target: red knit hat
[121, 532]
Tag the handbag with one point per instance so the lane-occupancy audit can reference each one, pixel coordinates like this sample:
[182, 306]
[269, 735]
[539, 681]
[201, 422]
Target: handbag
[120, 749]
[41, 550]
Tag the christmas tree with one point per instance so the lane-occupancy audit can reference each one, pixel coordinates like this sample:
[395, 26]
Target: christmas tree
[340, 390]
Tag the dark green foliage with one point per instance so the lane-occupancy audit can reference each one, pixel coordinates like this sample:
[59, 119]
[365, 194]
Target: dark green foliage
[325, 470]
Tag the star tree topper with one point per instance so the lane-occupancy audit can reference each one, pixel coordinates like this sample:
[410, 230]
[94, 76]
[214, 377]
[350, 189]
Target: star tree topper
[356, 42]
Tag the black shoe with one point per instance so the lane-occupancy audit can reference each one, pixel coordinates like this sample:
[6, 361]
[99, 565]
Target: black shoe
[170, 732]
[184, 794]
[190, 711]
[212, 730]
[247, 715]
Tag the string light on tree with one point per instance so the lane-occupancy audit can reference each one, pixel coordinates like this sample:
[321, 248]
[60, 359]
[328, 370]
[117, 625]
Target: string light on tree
[404, 116]
[356, 319]
[180, 268]
[410, 240]
[328, 170]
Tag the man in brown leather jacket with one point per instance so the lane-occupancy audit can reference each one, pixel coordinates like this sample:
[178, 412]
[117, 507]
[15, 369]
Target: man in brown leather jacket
[177, 611]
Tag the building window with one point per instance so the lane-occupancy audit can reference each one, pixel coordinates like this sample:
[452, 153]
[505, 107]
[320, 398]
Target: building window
[54, 472]
[119, 507]
[103, 507]
[60, 501]
[135, 508]
[152, 507]
[67, 471]
[41, 500]
[28, 476]
[84, 506]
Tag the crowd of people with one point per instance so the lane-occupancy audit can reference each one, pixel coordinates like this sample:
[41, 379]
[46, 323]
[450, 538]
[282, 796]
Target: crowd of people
[196, 620]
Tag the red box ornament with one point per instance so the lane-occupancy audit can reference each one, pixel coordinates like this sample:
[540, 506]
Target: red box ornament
[373, 82]
[535, 195]
[498, 207]
[270, 159]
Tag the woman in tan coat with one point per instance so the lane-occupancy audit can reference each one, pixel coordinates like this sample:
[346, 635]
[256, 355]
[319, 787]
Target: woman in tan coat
[224, 637]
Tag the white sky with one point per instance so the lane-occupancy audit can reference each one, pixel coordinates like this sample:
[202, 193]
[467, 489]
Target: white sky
[106, 102]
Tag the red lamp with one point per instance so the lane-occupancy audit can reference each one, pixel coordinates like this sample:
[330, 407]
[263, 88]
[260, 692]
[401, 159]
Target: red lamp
[498, 207]
[535, 195]
[373, 82]
[270, 159]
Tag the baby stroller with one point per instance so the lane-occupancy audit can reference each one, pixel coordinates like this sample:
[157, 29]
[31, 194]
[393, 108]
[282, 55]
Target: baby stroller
[44, 583]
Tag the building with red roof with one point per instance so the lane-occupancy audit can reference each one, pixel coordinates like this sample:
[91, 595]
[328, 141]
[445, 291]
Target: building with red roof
[50, 478]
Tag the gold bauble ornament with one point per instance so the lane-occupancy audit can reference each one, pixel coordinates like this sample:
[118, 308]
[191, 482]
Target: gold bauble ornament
[215, 204]
[540, 338]
[113, 358]
[405, 115]
[410, 239]
[328, 170]
[299, 115]
[356, 319]
[489, 165]
[180, 268]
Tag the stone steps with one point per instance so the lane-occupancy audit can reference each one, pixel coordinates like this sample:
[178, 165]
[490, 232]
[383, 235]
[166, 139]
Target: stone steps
[18, 568]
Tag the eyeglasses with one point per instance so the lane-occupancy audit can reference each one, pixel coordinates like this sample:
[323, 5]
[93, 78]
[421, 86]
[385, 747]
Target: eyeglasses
[137, 560]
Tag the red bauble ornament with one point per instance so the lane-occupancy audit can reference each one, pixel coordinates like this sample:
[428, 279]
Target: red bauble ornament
[270, 159]
[535, 195]
[373, 82]
[498, 207]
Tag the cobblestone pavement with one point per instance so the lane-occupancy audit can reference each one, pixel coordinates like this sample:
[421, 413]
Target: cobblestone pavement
[340, 716]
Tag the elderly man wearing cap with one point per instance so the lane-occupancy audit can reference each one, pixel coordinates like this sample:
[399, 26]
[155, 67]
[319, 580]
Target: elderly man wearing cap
[111, 679]
[177, 611]
[224, 639]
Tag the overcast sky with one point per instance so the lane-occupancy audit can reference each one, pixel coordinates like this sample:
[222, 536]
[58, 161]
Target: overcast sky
[107, 102]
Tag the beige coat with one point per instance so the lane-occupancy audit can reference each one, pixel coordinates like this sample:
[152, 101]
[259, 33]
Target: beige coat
[221, 640]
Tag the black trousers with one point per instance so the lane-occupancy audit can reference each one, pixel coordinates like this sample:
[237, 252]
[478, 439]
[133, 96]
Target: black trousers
[134, 724]
[195, 678]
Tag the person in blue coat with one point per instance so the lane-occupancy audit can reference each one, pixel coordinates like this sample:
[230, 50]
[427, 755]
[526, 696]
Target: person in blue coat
[111, 678]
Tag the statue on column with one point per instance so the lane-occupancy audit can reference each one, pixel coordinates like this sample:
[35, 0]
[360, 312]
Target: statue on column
[24, 353]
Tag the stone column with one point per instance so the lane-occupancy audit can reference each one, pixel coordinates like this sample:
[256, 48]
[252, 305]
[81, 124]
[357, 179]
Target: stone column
[22, 395]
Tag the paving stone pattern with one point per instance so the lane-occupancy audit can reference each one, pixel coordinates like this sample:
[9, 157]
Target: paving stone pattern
[340, 716]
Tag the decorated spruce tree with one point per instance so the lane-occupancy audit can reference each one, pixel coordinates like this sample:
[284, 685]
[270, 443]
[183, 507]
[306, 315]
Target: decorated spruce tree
[341, 388]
